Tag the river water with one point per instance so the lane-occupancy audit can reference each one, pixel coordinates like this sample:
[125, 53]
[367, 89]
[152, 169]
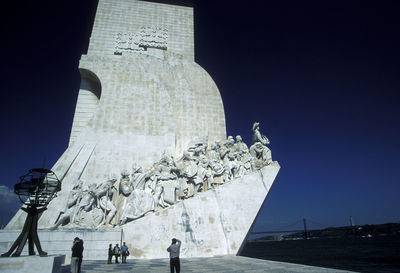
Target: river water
[379, 254]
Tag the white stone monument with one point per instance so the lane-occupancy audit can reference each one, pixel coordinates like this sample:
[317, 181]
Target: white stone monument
[148, 155]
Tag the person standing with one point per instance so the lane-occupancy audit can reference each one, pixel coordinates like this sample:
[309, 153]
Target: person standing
[125, 251]
[81, 256]
[77, 255]
[110, 253]
[173, 250]
[117, 252]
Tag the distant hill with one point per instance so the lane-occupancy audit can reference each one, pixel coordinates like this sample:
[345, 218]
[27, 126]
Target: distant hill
[364, 231]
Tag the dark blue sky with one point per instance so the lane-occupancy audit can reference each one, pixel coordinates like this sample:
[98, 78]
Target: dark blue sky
[321, 77]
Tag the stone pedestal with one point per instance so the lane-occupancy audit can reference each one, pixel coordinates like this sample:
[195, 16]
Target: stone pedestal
[32, 264]
[59, 242]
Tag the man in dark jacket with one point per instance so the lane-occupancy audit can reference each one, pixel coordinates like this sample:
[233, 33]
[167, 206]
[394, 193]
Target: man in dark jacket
[173, 250]
[110, 254]
[77, 255]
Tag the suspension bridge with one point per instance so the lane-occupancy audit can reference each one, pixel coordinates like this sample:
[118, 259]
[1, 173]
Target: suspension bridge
[302, 225]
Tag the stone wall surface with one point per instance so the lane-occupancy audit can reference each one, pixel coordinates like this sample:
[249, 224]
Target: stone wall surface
[86, 106]
[128, 16]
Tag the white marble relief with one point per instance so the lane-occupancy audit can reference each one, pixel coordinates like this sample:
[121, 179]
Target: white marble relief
[137, 193]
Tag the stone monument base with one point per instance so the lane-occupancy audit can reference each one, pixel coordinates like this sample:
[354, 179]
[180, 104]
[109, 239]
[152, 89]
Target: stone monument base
[212, 223]
[59, 242]
[32, 264]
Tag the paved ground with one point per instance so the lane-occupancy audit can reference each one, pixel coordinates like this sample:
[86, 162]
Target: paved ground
[225, 264]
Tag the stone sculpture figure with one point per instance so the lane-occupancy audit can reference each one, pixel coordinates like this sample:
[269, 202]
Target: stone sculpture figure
[224, 151]
[240, 147]
[125, 184]
[159, 198]
[104, 194]
[217, 168]
[165, 176]
[188, 171]
[213, 154]
[140, 203]
[125, 188]
[169, 191]
[139, 177]
[205, 173]
[199, 150]
[243, 156]
[165, 170]
[228, 156]
[259, 150]
[257, 136]
[199, 146]
[68, 212]
[85, 204]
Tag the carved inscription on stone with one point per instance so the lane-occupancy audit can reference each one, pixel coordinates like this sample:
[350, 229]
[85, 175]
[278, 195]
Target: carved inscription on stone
[146, 37]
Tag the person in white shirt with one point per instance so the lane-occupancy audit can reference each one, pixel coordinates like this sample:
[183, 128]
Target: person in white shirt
[173, 250]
